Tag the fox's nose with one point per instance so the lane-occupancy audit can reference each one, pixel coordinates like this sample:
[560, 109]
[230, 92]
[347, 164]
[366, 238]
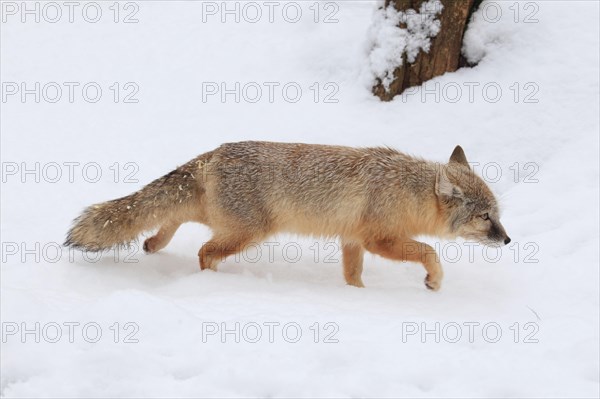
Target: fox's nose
[506, 240]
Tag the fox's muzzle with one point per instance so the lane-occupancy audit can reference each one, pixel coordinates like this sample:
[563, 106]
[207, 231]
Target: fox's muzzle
[498, 234]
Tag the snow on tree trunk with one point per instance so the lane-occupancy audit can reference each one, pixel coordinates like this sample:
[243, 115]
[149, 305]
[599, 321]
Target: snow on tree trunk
[416, 40]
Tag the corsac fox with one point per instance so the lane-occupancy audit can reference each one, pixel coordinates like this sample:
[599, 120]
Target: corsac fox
[373, 199]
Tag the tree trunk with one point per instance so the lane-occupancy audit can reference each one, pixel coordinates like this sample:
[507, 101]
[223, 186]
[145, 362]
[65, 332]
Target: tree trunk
[444, 54]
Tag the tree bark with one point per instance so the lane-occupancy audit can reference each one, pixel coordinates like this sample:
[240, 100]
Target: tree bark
[444, 54]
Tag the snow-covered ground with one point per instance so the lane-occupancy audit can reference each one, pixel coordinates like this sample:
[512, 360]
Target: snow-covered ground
[522, 322]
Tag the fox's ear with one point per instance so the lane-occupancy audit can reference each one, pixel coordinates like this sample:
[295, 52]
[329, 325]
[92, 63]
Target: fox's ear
[458, 156]
[445, 188]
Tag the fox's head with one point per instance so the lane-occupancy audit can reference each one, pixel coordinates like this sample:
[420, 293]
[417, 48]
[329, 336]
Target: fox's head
[468, 203]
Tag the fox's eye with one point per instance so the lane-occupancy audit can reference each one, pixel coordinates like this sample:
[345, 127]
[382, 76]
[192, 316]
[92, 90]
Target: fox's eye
[485, 216]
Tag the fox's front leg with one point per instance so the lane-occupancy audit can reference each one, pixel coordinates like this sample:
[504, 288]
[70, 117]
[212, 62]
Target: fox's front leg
[405, 249]
[352, 257]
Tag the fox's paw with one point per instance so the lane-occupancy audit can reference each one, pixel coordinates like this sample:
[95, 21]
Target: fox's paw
[356, 283]
[208, 265]
[150, 245]
[433, 283]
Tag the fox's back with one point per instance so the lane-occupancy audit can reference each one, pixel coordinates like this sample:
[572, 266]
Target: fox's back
[304, 188]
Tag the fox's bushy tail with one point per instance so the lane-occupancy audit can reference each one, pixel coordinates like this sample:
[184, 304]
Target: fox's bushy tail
[121, 221]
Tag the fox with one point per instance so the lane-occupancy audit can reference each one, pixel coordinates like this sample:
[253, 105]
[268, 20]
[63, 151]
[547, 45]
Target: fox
[373, 199]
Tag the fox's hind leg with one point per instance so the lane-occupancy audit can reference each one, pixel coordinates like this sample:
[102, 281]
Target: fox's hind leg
[352, 256]
[221, 246]
[162, 238]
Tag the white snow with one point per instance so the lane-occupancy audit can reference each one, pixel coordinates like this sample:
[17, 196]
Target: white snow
[390, 40]
[529, 109]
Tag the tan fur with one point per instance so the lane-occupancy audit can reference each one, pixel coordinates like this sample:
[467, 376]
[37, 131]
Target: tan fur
[374, 199]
